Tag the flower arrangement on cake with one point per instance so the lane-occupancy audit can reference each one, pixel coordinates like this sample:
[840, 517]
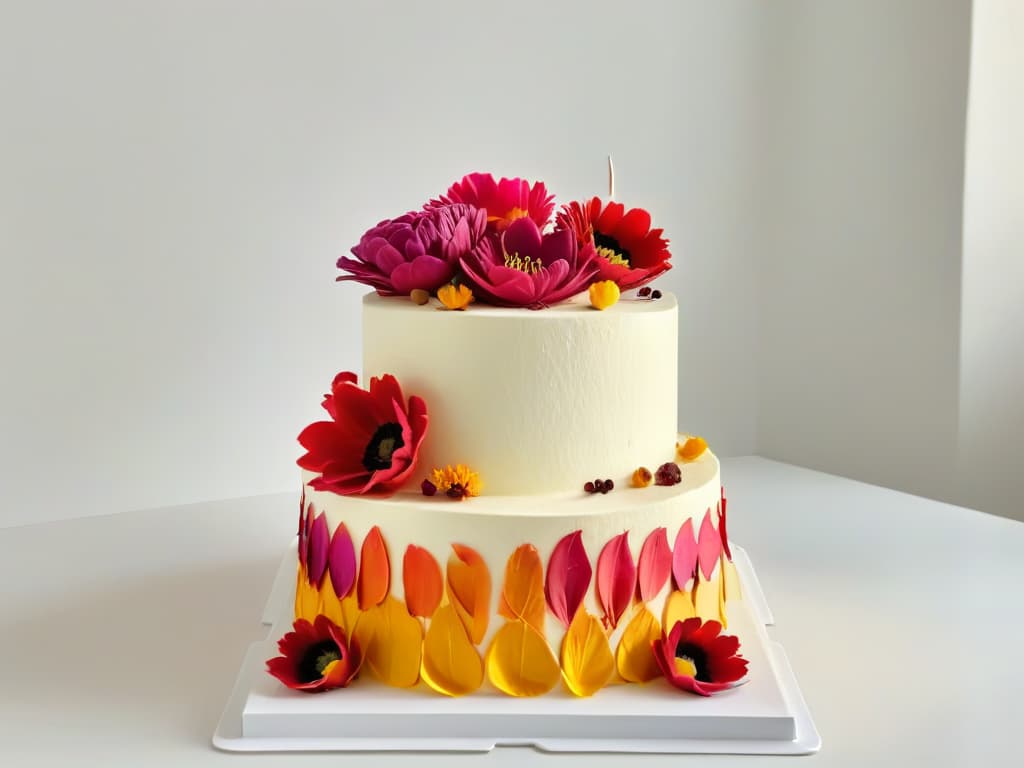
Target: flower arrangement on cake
[501, 243]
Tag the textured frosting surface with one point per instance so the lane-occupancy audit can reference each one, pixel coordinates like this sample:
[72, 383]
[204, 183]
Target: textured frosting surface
[537, 402]
[495, 526]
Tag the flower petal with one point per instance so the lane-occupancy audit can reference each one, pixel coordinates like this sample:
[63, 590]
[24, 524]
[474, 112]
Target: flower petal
[678, 608]
[634, 658]
[522, 238]
[616, 579]
[469, 589]
[684, 555]
[374, 570]
[421, 577]
[342, 561]
[319, 543]
[709, 546]
[655, 564]
[522, 595]
[519, 661]
[451, 663]
[568, 577]
[587, 661]
[391, 642]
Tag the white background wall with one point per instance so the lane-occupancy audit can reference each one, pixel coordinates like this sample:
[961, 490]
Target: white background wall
[178, 178]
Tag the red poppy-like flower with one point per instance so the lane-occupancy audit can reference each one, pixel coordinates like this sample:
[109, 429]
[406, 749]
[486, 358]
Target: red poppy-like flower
[505, 200]
[695, 657]
[628, 250]
[315, 657]
[418, 250]
[523, 268]
[372, 441]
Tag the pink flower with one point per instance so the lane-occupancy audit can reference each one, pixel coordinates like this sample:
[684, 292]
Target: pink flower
[505, 201]
[523, 268]
[417, 250]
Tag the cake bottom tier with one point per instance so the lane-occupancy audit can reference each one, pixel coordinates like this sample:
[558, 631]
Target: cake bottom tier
[516, 593]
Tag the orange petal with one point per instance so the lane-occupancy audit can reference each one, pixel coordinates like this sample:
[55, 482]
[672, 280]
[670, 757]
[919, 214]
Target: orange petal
[374, 570]
[522, 596]
[469, 589]
[391, 642]
[587, 662]
[634, 657]
[307, 597]
[678, 607]
[451, 663]
[519, 661]
[421, 576]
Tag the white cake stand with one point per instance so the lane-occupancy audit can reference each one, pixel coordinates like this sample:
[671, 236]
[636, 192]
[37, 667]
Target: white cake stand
[767, 715]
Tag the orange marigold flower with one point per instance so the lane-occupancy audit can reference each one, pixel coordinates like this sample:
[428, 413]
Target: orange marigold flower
[455, 297]
[456, 482]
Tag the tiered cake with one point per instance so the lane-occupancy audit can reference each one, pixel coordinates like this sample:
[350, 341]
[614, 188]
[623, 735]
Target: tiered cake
[507, 505]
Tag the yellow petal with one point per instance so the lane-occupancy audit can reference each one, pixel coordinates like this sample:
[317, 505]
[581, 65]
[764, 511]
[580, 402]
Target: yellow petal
[678, 607]
[634, 657]
[330, 605]
[390, 641]
[349, 614]
[692, 449]
[705, 598]
[451, 663]
[307, 597]
[732, 581]
[587, 662]
[519, 661]
[721, 593]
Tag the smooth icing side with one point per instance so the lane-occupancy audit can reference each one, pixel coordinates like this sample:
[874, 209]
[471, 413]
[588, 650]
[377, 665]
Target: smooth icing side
[494, 526]
[537, 402]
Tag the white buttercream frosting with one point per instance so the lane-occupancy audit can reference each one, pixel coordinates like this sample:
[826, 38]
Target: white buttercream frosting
[535, 401]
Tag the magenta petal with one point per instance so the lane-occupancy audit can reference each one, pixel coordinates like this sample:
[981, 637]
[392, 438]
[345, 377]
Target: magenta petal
[684, 555]
[655, 564]
[557, 246]
[616, 579]
[523, 238]
[709, 546]
[319, 541]
[424, 272]
[342, 561]
[568, 577]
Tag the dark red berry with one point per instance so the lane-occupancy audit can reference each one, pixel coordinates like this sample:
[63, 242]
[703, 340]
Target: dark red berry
[608, 485]
[656, 295]
[428, 488]
[599, 486]
[645, 291]
[668, 474]
[456, 491]
[589, 487]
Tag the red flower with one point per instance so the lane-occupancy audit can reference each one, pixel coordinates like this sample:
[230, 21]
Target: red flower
[695, 657]
[628, 250]
[505, 200]
[372, 442]
[315, 657]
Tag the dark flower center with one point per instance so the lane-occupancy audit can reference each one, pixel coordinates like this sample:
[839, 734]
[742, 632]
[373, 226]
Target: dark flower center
[609, 247]
[696, 656]
[385, 441]
[316, 659]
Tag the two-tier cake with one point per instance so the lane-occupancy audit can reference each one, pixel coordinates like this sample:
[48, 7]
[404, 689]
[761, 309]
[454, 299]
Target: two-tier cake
[502, 503]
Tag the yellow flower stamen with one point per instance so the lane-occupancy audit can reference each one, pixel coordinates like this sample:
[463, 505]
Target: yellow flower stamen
[613, 256]
[523, 263]
[457, 482]
[455, 297]
[685, 666]
[604, 294]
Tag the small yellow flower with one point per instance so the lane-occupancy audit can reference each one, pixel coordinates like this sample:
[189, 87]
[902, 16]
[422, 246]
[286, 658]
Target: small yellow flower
[603, 294]
[642, 477]
[455, 297]
[692, 449]
[456, 482]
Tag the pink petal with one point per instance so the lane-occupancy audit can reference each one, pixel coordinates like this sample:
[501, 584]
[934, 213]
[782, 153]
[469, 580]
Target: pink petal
[424, 272]
[655, 564]
[319, 541]
[523, 238]
[684, 555]
[709, 546]
[616, 578]
[342, 561]
[557, 246]
[568, 577]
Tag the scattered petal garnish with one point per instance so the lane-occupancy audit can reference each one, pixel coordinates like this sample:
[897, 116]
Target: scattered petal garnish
[455, 297]
[604, 294]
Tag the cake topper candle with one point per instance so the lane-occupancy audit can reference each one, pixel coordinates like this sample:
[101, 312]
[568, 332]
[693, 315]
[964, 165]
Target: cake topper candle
[611, 179]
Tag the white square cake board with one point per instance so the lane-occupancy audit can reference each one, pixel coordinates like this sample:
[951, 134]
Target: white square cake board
[766, 716]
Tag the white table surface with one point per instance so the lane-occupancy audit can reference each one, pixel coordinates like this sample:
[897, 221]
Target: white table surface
[120, 636]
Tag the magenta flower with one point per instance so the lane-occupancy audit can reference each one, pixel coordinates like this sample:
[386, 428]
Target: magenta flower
[523, 268]
[505, 201]
[417, 250]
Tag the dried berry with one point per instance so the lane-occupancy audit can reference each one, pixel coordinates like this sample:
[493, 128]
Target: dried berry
[589, 487]
[608, 486]
[645, 291]
[428, 488]
[668, 474]
[419, 296]
[456, 491]
[642, 477]
[655, 294]
[599, 485]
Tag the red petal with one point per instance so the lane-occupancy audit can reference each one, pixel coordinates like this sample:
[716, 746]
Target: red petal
[684, 555]
[568, 577]
[709, 546]
[633, 226]
[616, 579]
[721, 527]
[655, 564]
